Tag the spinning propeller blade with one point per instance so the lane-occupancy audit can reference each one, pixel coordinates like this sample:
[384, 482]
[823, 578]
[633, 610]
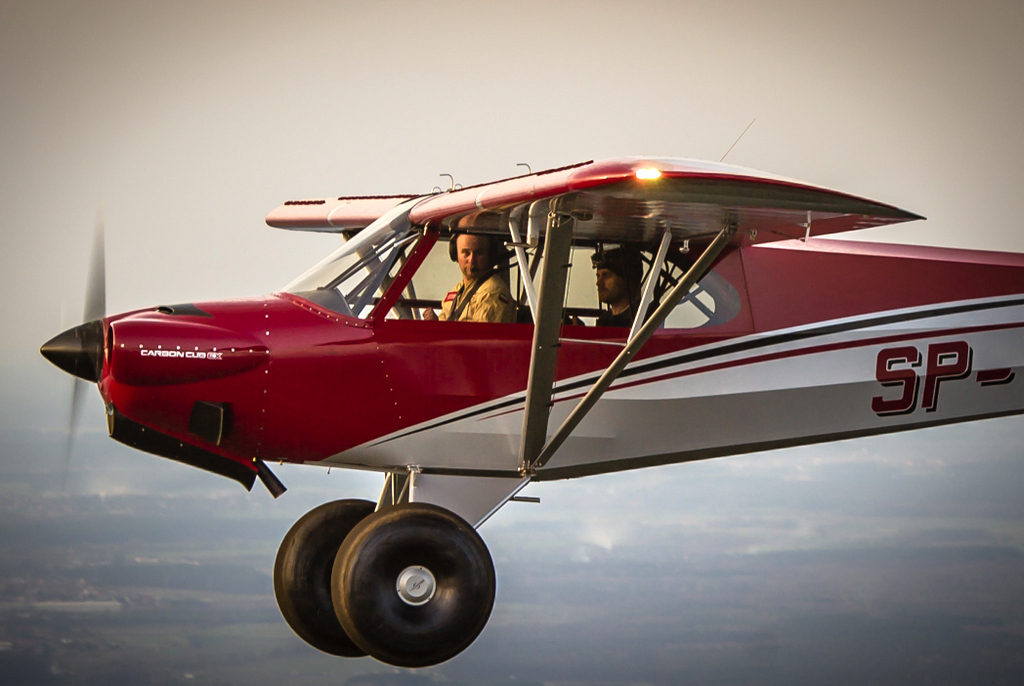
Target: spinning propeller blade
[96, 287]
[78, 391]
[79, 351]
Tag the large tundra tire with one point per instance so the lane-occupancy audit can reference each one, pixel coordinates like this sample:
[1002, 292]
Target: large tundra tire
[413, 585]
[302, 574]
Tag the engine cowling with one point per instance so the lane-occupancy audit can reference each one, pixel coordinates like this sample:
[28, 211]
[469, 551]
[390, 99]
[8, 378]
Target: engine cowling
[152, 351]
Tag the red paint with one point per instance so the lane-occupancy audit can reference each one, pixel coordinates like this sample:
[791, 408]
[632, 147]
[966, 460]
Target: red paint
[141, 387]
[796, 283]
[153, 349]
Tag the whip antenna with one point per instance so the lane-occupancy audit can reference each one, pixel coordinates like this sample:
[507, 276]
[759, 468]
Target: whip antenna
[738, 139]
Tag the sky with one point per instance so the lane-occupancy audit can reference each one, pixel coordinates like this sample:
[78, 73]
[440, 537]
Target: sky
[184, 123]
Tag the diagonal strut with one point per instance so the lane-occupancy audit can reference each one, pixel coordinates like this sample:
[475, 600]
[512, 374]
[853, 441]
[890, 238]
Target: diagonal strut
[633, 346]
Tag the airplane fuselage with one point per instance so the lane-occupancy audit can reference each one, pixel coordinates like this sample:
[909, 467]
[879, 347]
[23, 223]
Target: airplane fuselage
[830, 340]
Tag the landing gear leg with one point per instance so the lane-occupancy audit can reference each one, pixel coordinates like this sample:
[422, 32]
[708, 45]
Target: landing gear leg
[413, 585]
[302, 574]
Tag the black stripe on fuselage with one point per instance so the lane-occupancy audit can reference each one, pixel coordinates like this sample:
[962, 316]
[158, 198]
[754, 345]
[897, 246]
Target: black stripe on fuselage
[725, 349]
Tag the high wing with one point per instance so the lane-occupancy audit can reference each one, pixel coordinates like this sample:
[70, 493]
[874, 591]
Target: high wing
[638, 198]
[618, 200]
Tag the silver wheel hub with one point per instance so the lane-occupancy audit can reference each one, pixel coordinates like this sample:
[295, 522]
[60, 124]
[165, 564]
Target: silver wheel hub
[416, 585]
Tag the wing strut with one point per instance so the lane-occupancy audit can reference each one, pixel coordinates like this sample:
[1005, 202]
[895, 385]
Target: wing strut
[548, 324]
[652, 281]
[523, 264]
[633, 346]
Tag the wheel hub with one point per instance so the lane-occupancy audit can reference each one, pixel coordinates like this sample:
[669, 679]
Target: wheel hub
[416, 585]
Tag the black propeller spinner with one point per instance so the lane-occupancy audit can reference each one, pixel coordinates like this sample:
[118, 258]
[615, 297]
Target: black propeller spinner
[78, 351]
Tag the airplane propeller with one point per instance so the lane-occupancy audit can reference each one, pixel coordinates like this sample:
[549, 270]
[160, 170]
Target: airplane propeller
[79, 350]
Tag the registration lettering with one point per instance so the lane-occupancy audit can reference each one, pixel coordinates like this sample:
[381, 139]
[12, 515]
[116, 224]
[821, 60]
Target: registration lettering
[942, 362]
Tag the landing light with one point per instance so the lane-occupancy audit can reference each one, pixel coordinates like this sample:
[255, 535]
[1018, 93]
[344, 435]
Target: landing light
[647, 173]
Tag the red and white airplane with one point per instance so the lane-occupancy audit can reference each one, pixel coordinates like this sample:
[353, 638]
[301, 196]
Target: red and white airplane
[751, 334]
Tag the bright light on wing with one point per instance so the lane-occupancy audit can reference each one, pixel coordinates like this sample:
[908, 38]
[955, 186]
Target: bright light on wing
[647, 173]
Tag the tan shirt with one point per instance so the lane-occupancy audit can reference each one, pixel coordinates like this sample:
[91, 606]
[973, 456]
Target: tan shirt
[492, 302]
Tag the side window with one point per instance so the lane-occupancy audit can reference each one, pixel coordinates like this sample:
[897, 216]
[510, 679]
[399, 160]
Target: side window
[606, 283]
[581, 300]
[439, 274]
[710, 302]
[430, 283]
[350, 280]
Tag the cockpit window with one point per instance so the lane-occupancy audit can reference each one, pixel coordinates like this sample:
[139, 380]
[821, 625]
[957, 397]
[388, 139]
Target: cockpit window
[439, 275]
[352, 279]
[348, 280]
[710, 302]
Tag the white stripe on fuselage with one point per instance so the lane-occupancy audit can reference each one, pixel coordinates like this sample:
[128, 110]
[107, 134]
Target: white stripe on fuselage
[663, 403]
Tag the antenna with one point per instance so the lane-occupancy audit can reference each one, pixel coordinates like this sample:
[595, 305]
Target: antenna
[529, 170]
[738, 139]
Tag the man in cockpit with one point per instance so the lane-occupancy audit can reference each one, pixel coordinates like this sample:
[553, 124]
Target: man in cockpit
[482, 295]
[619, 272]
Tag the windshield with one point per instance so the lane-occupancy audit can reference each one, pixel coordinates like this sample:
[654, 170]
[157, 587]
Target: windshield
[347, 280]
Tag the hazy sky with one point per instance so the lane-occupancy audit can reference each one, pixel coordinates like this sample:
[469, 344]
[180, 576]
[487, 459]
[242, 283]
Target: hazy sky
[189, 121]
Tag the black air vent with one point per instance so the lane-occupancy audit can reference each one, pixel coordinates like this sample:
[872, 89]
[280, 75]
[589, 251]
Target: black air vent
[185, 309]
[210, 421]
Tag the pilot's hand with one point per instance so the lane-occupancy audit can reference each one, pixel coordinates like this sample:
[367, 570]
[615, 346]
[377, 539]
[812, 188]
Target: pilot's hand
[429, 315]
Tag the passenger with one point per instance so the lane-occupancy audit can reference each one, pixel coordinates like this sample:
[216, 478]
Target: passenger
[482, 295]
[619, 272]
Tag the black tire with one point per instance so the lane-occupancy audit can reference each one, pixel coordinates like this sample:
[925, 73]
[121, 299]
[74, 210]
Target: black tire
[302, 574]
[367, 569]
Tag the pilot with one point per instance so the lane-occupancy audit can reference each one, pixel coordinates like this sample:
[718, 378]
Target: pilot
[619, 272]
[482, 295]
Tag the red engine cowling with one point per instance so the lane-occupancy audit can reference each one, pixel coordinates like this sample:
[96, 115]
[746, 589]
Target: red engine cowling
[155, 351]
